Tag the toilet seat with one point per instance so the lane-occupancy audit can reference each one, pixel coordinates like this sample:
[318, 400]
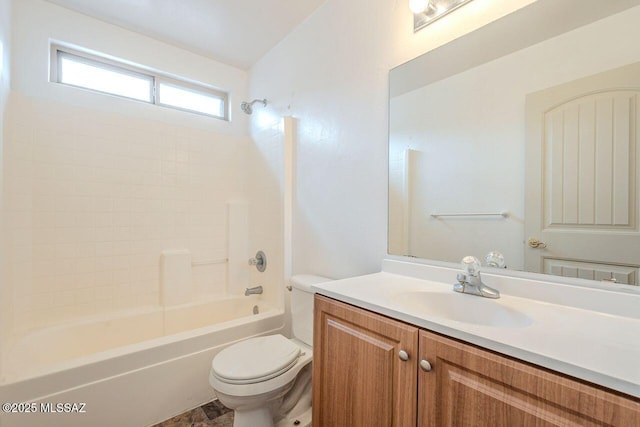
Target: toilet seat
[255, 360]
[258, 389]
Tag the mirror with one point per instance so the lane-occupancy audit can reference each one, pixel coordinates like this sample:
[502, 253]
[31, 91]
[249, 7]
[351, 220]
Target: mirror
[471, 161]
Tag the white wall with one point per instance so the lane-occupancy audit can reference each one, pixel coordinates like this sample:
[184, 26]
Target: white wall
[5, 49]
[97, 186]
[331, 74]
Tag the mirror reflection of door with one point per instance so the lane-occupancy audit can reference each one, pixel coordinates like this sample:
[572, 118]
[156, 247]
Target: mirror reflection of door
[582, 179]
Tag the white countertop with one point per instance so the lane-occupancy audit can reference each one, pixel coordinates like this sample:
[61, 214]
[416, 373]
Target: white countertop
[596, 344]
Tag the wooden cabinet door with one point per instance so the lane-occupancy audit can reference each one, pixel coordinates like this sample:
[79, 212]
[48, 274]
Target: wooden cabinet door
[468, 386]
[359, 379]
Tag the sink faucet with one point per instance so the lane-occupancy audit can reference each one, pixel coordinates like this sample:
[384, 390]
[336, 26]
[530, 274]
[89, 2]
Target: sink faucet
[254, 290]
[471, 283]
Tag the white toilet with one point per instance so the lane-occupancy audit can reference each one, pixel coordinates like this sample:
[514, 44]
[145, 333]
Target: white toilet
[267, 380]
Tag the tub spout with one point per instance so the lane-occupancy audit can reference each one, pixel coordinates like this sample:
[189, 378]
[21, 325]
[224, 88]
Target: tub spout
[252, 291]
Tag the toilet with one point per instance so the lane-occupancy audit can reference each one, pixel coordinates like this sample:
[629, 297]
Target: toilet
[267, 380]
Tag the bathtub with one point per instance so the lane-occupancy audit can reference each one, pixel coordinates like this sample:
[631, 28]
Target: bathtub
[136, 369]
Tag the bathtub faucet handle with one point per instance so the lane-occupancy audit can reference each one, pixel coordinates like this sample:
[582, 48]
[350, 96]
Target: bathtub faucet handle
[256, 290]
[260, 261]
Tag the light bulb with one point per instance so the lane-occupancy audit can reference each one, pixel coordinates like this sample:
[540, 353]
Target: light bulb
[418, 6]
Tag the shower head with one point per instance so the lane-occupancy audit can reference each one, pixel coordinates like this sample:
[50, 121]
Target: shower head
[247, 107]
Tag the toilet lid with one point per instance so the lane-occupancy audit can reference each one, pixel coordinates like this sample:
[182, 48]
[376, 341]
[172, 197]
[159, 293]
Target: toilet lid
[255, 359]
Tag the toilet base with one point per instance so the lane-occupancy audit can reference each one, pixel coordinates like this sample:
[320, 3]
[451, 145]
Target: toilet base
[261, 417]
[292, 409]
[255, 411]
[303, 420]
[258, 417]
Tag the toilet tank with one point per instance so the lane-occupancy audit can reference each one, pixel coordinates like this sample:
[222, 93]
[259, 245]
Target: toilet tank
[302, 306]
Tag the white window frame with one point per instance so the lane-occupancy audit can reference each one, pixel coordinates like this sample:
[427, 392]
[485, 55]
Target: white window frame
[154, 77]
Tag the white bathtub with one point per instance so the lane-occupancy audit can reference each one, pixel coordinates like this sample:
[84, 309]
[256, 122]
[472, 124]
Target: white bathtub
[134, 370]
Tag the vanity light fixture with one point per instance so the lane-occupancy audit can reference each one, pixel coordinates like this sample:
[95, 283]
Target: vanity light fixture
[427, 11]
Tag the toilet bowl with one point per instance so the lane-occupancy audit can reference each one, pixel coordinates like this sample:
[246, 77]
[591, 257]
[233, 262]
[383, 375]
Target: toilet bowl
[267, 380]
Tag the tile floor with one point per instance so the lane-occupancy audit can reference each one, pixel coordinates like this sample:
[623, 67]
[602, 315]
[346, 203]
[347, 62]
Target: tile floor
[212, 414]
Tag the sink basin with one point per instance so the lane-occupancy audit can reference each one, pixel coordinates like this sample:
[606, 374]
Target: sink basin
[463, 308]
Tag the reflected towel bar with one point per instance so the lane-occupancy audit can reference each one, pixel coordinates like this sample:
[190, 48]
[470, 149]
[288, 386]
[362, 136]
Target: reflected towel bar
[502, 214]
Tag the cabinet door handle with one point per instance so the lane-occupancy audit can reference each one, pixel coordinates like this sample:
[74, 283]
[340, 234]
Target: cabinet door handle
[425, 365]
[403, 355]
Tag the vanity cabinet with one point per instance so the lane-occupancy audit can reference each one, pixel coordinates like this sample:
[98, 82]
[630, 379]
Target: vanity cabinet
[469, 386]
[361, 379]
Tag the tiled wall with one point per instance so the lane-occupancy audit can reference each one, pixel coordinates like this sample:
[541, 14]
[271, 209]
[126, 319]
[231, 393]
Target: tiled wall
[92, 199]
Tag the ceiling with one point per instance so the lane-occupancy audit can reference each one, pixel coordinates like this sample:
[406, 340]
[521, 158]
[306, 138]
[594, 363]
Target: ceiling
[236, 32]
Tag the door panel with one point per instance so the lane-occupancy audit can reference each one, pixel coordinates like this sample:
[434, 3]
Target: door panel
[582, 189]
[588, 151]
[591, 271]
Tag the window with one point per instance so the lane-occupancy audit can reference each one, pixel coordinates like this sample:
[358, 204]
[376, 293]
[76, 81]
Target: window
[192, 99]
[76, 68]
[78, 71]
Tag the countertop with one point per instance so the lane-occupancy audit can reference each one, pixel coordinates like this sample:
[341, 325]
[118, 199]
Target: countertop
[595, 345]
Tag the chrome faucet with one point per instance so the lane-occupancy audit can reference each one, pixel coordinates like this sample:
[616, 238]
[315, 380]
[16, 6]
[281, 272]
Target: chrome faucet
[471, 283]
[253, 291]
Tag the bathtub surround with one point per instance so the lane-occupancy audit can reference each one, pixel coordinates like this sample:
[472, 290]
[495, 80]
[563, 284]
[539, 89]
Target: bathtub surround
[97, 186]
[95, 189]
[238, 246]
[92, 200]
[175, 277]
